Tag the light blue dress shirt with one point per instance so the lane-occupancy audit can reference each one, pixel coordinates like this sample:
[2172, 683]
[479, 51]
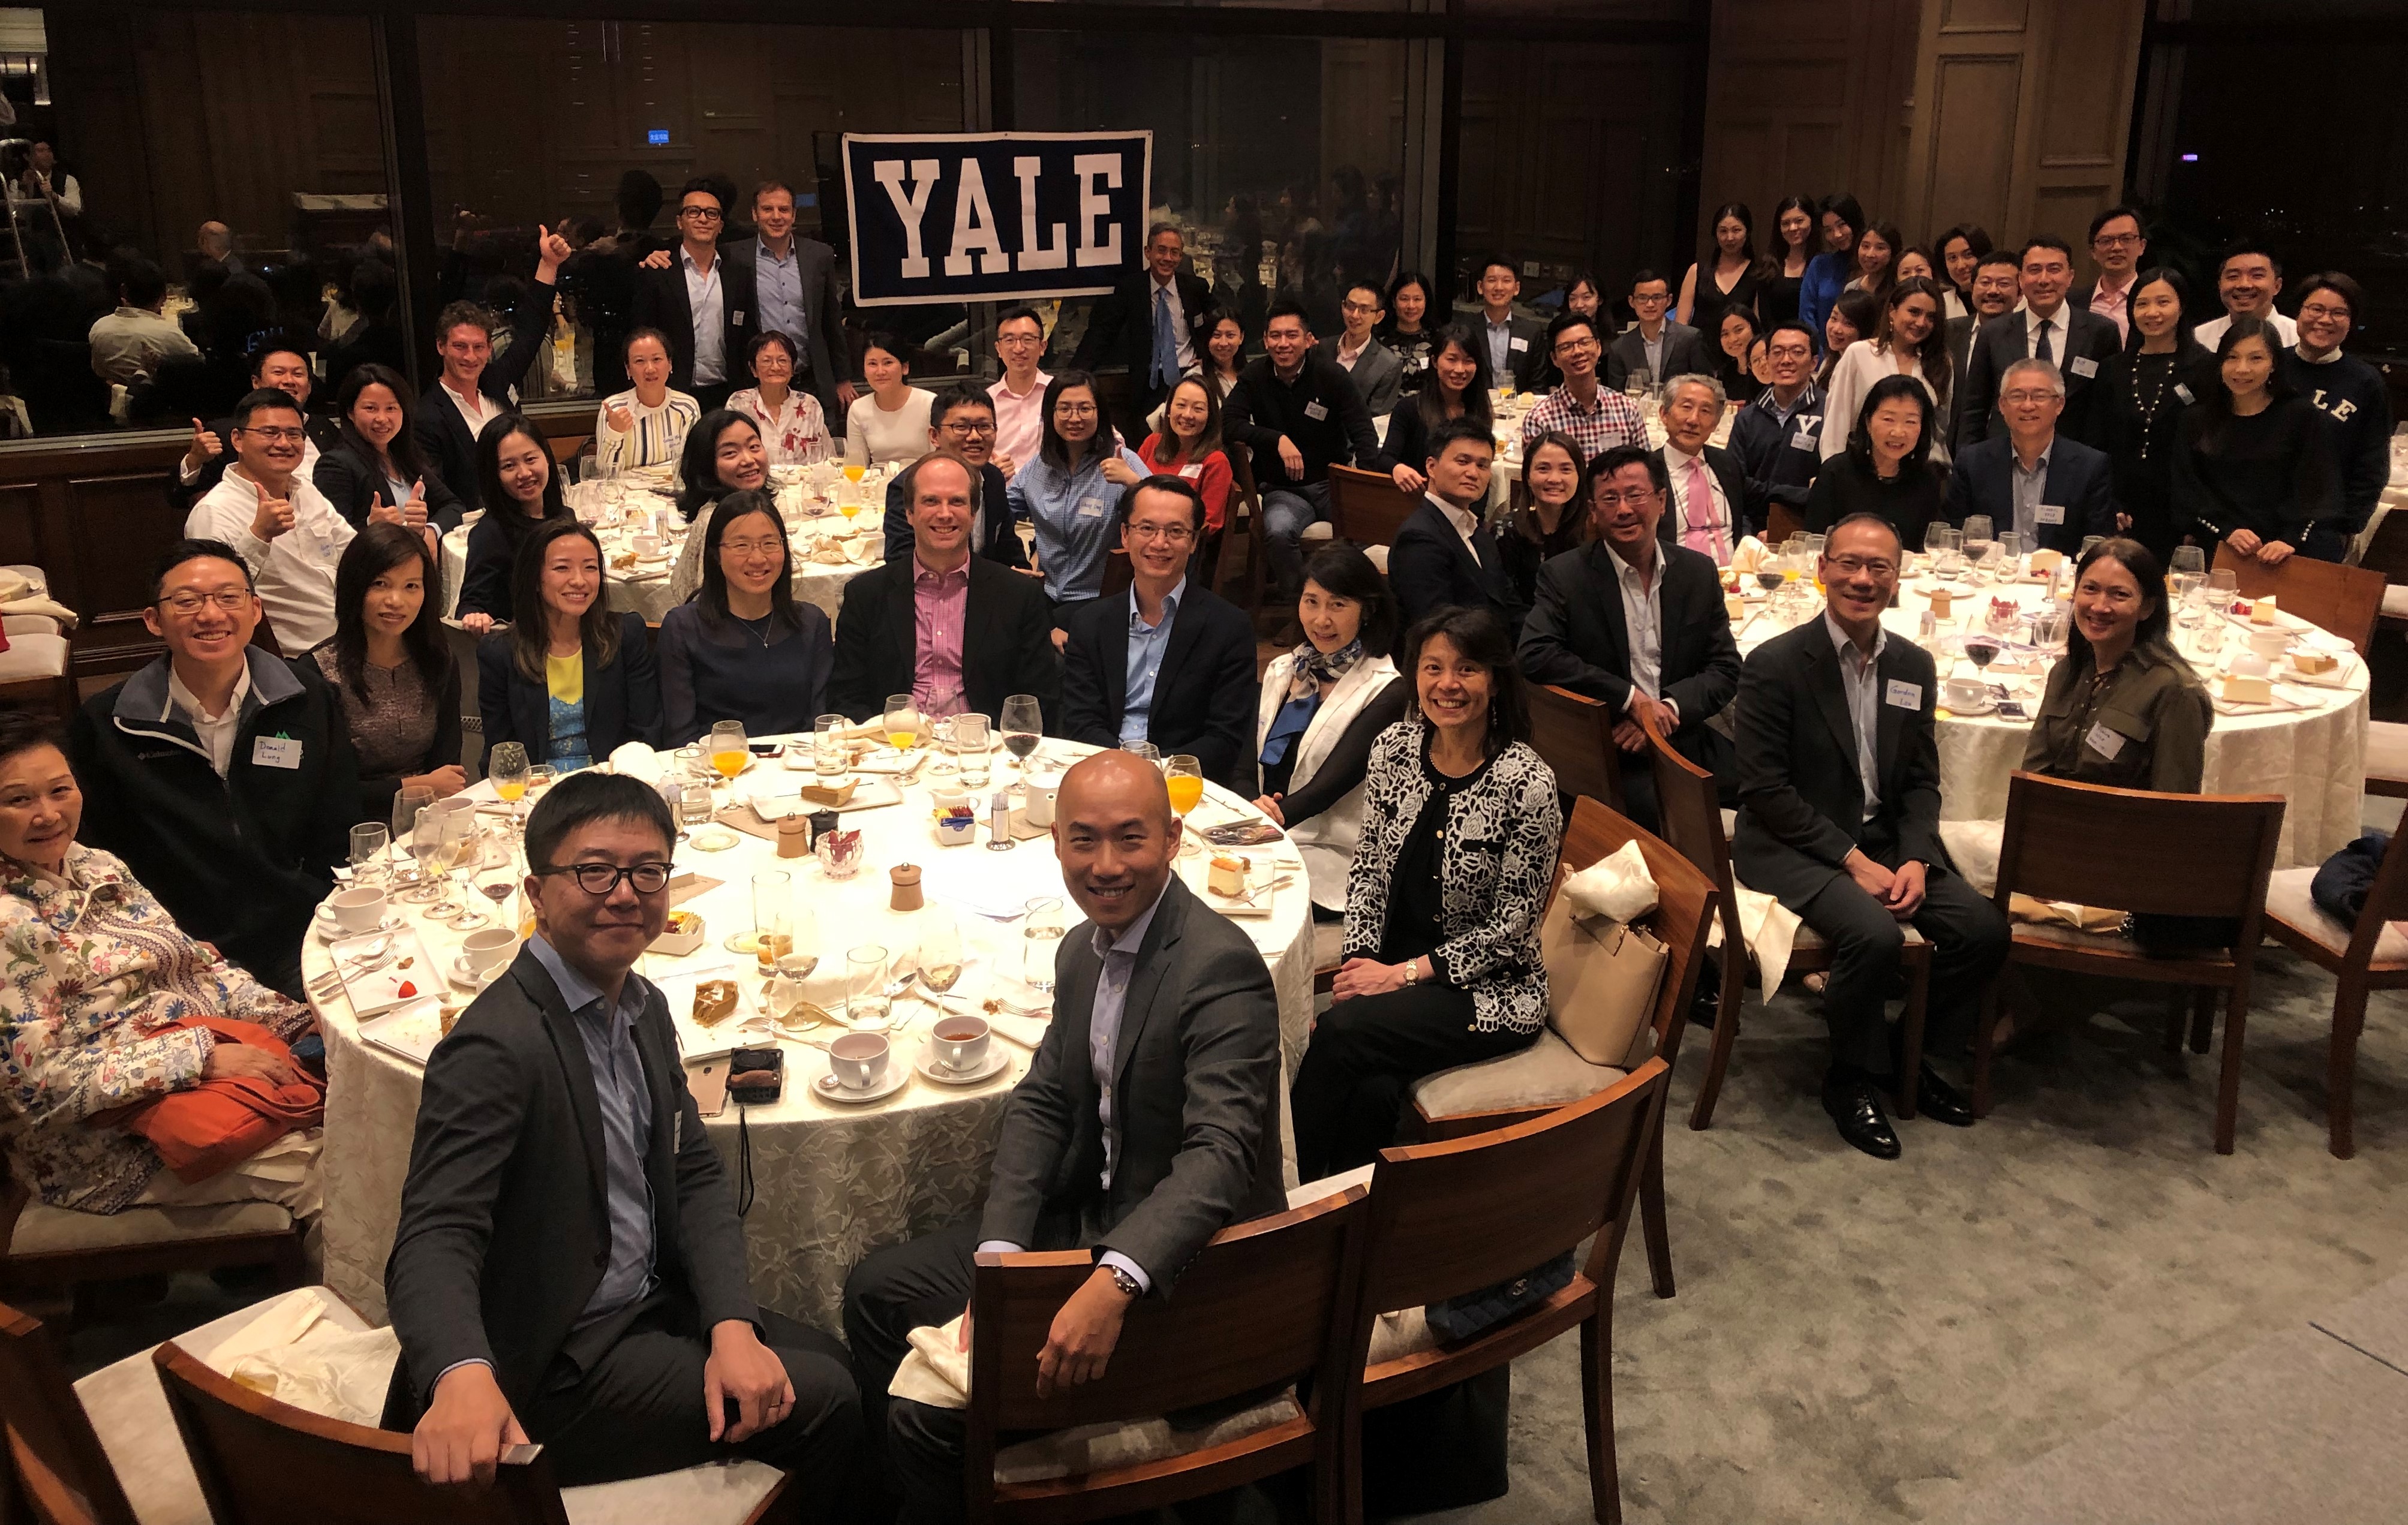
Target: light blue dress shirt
[778, 287]
[708, 301]
[1072, 516]
[1147, 645]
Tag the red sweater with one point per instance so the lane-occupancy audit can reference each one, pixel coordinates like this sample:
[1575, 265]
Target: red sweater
[1212, 477]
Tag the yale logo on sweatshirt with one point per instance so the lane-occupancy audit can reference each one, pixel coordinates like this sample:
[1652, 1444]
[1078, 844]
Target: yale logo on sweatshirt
[2341, 410]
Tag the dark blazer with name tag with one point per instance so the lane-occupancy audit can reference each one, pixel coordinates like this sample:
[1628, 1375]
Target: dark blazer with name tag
[2005, 339]
[1576, 638]
[505, 1227]
[1429, 568]
[1801, 797]
[1203, 695]
[1007, 641]
[442, 434]
[2080, 481]
[661, 303]
[1196, 1119]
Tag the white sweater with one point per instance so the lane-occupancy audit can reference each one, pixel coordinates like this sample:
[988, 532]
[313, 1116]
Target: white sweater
[873, 436]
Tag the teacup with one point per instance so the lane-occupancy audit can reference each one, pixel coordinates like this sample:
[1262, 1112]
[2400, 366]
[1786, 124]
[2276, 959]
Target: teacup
[858, 1061]
[648, 546]
[2270, 644]
[1042, 787]
[358, 910]
[960, 1042]
[1964, 693]
[483, 949]
[2250, 665]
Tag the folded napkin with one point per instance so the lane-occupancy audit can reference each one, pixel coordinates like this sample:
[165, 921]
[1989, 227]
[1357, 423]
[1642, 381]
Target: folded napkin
[1748, 555]
[2064, 913]
[40, 603]
[637, 760]
[297, 1353]
[936, 1370]
[1617, 886]
[1769, 930]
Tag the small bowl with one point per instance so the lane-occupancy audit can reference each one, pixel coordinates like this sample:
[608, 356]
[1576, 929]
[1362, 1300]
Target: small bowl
[956, 831]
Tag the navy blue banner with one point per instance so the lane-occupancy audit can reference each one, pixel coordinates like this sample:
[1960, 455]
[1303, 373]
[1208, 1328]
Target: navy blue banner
[976, 216]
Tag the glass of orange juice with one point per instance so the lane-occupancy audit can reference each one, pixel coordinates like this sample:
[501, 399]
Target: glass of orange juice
[853, 471]
[1185, 778]
[726, 749]
[902, 722]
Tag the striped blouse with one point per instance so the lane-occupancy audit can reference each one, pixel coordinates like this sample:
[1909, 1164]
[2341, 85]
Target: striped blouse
[657, 438]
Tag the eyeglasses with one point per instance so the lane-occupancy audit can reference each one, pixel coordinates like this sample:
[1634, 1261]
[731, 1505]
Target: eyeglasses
[2323, 309]
[1074, 410]
[1637, 497]
[750, 547]
[1850, 567]
[232, 600]
[2017, 399]
[970, 431]
[1172, 534]
[1574, 346]
[270, 432]
[703, 214]
[1649, 298]
[2114, 240]
[1356, 307]
[601, 881]
[1015, 341]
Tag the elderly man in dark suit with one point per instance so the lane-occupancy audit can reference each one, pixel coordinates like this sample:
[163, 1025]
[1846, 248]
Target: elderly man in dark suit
[701, 296]
[2074, 339]
[953, 629]
[1707, 509]
[1164, 660]
[1839, 821]
[569, 1269]
[1638, 623]
[473, 388]
[1444, 553]
[1148, 1123]
[2051, 490]
[1153, 324]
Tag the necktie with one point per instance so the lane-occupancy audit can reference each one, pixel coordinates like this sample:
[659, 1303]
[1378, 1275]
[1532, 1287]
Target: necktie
[1702, 528]
[1165, 347]
[2040, 343]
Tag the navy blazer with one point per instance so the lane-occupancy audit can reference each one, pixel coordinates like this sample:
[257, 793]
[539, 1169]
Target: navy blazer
[2080, 481]
[355, 485]
[443, 438]
[1429, 568]
[661, 303]
[622, 700]
[1203, 696]
[1001, 543]
[2005, 339]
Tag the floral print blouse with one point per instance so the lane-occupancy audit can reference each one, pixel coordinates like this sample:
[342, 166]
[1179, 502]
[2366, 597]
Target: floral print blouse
[91, 968]
[797, 439]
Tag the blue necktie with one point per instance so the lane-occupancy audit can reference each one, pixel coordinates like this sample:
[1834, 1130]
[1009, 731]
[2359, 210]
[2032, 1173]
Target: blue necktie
[1165, 347]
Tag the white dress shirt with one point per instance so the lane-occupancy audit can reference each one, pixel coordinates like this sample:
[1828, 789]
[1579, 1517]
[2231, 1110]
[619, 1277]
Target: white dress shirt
[293, 573]
[707, 300]
[216, 732]
[1717, 505]
[2210, 333]
[2056, 323]
[1465, 522]
[1861, 680]
[476, 411]
[1643, 622]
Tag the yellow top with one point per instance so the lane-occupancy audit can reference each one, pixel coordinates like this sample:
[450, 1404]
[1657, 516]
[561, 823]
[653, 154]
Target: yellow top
[563, 679]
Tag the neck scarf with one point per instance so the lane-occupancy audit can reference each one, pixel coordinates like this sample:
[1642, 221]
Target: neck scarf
[1311, 668]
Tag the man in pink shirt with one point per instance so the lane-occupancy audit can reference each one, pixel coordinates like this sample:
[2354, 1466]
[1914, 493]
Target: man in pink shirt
[1020, 396]
[2117, 243]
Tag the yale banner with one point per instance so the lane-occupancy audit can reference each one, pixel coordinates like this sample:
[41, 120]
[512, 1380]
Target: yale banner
[976, 216]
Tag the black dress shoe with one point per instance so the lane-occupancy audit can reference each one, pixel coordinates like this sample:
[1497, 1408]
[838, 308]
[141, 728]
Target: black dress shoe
[1854, 1104]
[1941, 1102]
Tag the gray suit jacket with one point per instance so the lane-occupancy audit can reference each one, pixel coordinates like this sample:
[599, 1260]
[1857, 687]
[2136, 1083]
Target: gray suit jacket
[1195, 1106]
[1684, 354]
[831, 355]
[504, 1231]
[1377, 373]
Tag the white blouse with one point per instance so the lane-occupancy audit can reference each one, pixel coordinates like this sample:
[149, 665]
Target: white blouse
[873, 436]
[1859, 367]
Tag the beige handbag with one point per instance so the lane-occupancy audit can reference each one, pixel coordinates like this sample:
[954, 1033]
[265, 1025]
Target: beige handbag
[1602, 977]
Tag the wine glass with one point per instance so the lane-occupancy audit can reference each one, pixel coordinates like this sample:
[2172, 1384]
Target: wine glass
[940, 952]
[2050, 629]
[2223, 587]
[902, 722]
[462, 847]
[1981, 651]
[773, 918]
[940, 738]
[1185, 778]
[727, 750]
[1024, 726]
[507, 765]
[426, 848]
[497, 876]
[407, 803]
[541, 777]
[2188, 559]
[1143, 749]
[369, 841]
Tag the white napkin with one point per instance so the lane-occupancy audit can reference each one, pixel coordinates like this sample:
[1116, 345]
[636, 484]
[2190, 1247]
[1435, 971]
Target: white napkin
[936, 1370]
[1617, 886]
[637, 760]
[1748, 555]
[297, 1354]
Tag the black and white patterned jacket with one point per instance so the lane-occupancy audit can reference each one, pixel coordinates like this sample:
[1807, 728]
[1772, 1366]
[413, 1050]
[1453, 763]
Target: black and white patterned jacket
[1498, 860]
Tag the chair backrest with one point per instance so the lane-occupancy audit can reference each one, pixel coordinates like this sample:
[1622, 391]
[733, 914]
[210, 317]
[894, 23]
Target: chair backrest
[2387, 551]
[1780, 521]
[2343, 600]
[2387, 900]
[1119, 572]
[1685, 899]
[56, 1457]
[1265, 1303]
[1574, 734]
[2132, 850]
[1367, 506]
[1454, 1217]
[1689, 808]
[265, 1462]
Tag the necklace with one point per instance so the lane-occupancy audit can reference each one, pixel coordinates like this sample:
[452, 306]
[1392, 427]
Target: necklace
[760, 628]
[2149, 394]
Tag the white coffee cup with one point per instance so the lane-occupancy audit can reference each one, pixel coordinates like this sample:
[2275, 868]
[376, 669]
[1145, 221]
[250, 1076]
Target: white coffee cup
[2250, 665]
[2270, 644]
[858, 1059]
[483, 949]
[960, 1042]
[358, 910]
[1966, 692]
[648, 546]
[1042, 787]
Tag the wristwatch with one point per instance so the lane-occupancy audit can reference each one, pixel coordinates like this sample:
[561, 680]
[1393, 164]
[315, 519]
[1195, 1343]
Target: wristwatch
[1126, 1283]
[1412, 972]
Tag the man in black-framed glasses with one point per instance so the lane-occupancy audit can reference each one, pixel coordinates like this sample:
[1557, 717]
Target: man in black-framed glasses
[625, 1296]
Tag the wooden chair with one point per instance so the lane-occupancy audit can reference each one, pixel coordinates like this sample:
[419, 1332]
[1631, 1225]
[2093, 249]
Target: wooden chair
[1268, 1303]
[2387, 552]
[2368, 956]
[1461, 1214]
[1119, 572]
[52, 1452]
[38, 671]
[1500, 1093]
[1780, 521]
[1691, 812]
[1574, 734]
[2204, 855]
[44, 1249]
[1258, 577]
[2328, 596]
[1367, 506]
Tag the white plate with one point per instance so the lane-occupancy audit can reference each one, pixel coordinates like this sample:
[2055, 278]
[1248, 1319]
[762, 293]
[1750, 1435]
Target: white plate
[1988, 707]
[827, 1089]
[380, 989]
[997, 1061]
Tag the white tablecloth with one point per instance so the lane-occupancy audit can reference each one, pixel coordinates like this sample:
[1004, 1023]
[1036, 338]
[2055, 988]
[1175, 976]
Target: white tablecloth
[2314, 757]
[833, 1181]
[620, 514]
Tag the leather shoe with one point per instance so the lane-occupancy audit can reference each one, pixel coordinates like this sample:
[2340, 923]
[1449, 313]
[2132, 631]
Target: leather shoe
[1941, 1102]
[1854, 1104]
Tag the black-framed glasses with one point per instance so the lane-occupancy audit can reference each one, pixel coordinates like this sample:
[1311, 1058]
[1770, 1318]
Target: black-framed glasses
[707, 214]
[601, 881]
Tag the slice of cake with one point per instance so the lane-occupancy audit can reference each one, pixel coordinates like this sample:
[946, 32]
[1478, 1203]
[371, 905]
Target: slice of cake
[714, 1002]
[1229, 875]
[2247, 688]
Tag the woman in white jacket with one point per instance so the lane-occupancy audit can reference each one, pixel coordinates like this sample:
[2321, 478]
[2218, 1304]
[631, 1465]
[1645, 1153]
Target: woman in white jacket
[1323, 705]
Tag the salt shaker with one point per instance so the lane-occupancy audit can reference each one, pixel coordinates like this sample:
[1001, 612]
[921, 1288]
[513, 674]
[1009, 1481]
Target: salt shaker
[1000, 823]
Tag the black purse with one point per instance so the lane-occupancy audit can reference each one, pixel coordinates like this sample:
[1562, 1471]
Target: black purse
[756, 1077]
[1465, 1315]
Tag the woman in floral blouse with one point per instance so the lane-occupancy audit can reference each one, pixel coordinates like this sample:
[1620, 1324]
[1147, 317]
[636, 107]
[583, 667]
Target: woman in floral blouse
[794, 431]
[93, 970]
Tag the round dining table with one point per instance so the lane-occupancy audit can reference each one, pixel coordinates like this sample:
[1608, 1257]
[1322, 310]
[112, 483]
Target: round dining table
[830, 1179]
[2309, 744]
[830, 549]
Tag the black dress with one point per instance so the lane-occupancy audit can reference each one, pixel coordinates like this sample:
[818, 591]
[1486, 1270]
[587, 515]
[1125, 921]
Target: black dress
[1525, 548]
[1847, 484]
[2142, 419]
[1707, 301]
[2270, 473]
[1776, 300]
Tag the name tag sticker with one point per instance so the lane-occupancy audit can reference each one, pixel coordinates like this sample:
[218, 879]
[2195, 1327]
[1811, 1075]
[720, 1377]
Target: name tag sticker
[2182, 391]
[1191, 473]
[2106, 743]
[1903, 694]
[738, 320]
[1091, 507]
[2085, 366]
[274, 752]
[1803, 439]
[1517, 343]
[1316, 411]
[2050, 513]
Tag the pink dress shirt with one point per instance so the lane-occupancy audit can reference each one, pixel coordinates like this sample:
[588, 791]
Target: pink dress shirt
[940, 603]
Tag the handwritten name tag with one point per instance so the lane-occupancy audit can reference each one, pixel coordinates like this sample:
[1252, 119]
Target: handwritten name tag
[1316, 411]
[1517, 343]
[274, 752]
[2104, 742]
[2085, 366]
[1903, 694]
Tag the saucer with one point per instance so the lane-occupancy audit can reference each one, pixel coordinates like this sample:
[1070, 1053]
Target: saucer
[327, 930]
[1988, 705]
[467, 979]
[827, 1089]
[998, 1058]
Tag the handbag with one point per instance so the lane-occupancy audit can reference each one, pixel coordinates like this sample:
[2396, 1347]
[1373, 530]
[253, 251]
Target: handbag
[1602, 977]
[1461, 1317]
[217, 1124]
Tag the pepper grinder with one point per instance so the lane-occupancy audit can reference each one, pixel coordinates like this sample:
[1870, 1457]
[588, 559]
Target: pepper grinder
[794, 837]
[906, 896]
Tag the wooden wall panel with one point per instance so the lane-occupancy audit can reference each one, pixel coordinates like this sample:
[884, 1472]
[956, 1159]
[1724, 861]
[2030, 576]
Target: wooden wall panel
[94, 516]
[1972, 162]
